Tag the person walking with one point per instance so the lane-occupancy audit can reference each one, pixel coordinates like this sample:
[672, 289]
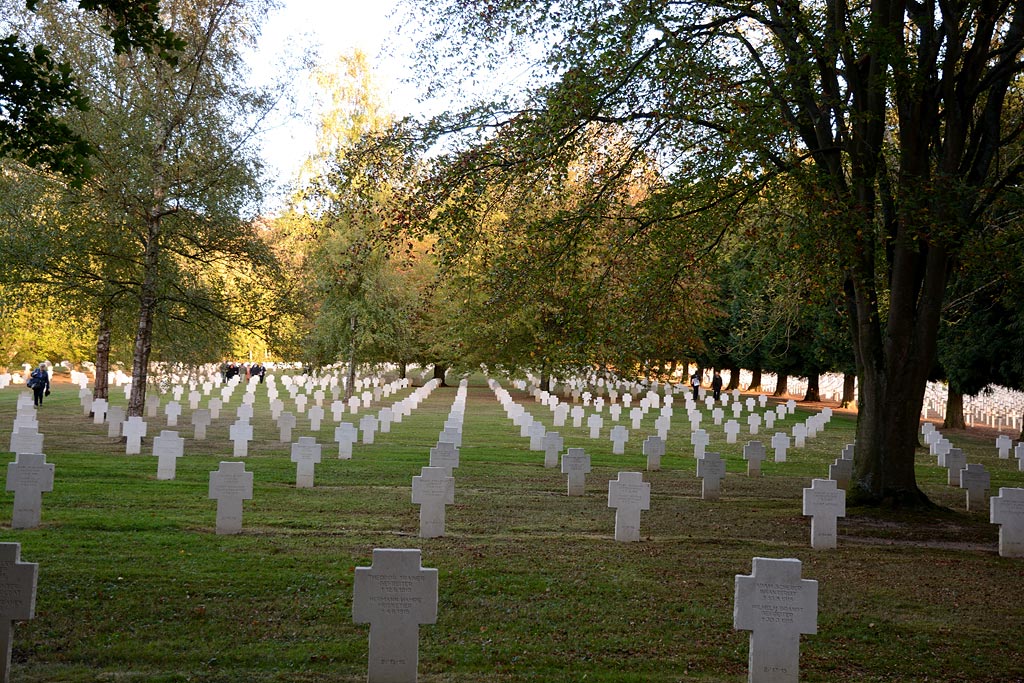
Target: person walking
[39, 383]
[695, 384]
[716, 385]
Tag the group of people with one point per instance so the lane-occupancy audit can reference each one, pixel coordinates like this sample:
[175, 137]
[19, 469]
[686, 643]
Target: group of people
[716, 384]
[242, 370]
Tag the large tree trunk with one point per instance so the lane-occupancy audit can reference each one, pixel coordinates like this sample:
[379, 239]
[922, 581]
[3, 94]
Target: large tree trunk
[440, 370]
[813, 388]
[954, 411]
[755, 379]
[734, 377]
[147, 310]
[782, 385]
[849, 390]
[106, 317]
[545, 377]
[350, 385]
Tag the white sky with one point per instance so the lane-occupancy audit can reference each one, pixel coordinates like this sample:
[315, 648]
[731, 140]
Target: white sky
[332, 27]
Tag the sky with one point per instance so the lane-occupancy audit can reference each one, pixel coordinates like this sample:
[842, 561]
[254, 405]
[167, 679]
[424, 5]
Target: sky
[332, 27]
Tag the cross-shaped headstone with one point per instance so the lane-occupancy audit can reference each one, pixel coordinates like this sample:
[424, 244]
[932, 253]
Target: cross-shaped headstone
[285, 424]
[152, 405]
[560, 415]
[711, 470]
[368, 428]
[353, 404]
[172, 410]
[737, 409]
[976, 480]
[193, 399]
[553, 443]
[781, 411]
[18, 601]
[215, 404]
[29, 477]
[445, 455]
[769, 420]
[732, 429]
[955, 461]
[717, 415]
[26, 441]
[1004, 444]
[241, 434]
[167, 447]
[244, 412]
[315, 415]
[824, 502]
[754, 454]
[1007, 510]
[780, 442]
[619, 437]
[133, 430]
[636, 416]
[799, 435]
[537, 432]
[629, 494]
[662, 425]
[840, 472]
[700, 440]
[384, 417]
[1018, 452]
[345, 434]
[577, 416]
[754, 422]
[595, 422]
[654, 449]
[99, 410]
[776, 606]
[337, 410]
[432, 490]
[305, 455]
[576, 464]
[115, 416]
[229, 486]
[394, 595]
[201, 419]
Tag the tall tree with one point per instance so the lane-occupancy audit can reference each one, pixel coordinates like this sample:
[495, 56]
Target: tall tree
[890, 115]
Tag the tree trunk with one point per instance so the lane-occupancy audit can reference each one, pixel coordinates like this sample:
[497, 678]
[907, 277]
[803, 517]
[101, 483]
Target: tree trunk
[954, 411]
[734, 378]
[440, 370]
[350, 385]
[755, 379]
[813, 388]
[849, 390]
[782, 386]
[106, 316]
[545, 377]
[147, 310]
[403, 369]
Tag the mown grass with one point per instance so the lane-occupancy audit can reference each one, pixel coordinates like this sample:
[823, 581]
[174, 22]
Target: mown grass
[134, 585]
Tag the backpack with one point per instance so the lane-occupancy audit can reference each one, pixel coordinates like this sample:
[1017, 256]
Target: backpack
[35, 381]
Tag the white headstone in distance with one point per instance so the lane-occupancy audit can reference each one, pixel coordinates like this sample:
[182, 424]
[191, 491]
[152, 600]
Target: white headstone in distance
[152, 405]
[799, 435]
[26, 441]
[780, 442]
[776, 606]
[1004, 444]
[1007, 510]
[595, 422]
[115, 416]
[193, 399]
[553, 443]
[167, 447]
[700, 440]
[576, 465]
[244, 412]
[315, 415]
[754, 454]
[629, 494]
[732, 428]
[823, 503]
[241, 434]
[619, 436]
[654, 449]
[432, 490]
[368, 427]
[29, 477]
[577, 416]
[444, 455]
[99, 410]
[172, 410]
[18, 600]
[385, 417]
[201, 419]
[134, 429]
[955, 461]
[394, 595]
[229, 486]
[285, 424]
[536, 433]
[840, 472]
[215, 404]
[711, 470]
[975, 480]
[636, 416]
[345, 434]
[305, 455]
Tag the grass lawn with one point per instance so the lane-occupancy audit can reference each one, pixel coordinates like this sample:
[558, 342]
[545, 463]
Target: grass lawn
[134, 585]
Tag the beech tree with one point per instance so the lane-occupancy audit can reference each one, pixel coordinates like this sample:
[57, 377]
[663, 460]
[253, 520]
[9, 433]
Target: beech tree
[889, 116]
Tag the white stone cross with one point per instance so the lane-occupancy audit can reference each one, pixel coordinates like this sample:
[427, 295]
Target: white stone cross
[172, 410]
[561, 413]
[1018, 452]
[636, 416]
[353, 404]
[629, 494]
[799, 434]
[754, 454]
[18, 602]
[385, 416]
[577, 416]
[368, 427]
[115, 416]
[654, 449]
[823, 503]
[1004, 444]
[99, 410]
[776, 606]
[193, 399]
[241, 434]
[445, 455]
[976, 480]
[576, 464]
[134, 429]
[1007, 510]
[300, 403]
[215, 404]
[286, 423]
[711, 470]
[201, 419]
[432, 490]
[840, 472]
[737, 409]
[276, 408]
[955, 461]
[167, 447]
[536, 432]
[315, 415]
[26, 441]
[337, 410]
[394, 595]
[305, 455]
[229, 486]
[780, 442]
[754, 422]
[345, 434]
[769, 420]
[595, 422]
[700, 440]
[553, 443]
[732, 428]
[29, 477]
[619, 437]
[152, 405]
[717, 415]
[244, 412]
